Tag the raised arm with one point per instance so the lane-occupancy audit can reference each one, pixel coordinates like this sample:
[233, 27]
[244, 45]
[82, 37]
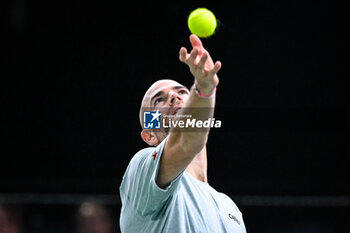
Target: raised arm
[183, 145]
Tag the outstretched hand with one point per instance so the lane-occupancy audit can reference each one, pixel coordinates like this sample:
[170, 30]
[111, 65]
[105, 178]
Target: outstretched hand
[201, 66]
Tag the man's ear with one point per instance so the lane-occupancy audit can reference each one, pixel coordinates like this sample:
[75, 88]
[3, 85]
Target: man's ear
[149, 137]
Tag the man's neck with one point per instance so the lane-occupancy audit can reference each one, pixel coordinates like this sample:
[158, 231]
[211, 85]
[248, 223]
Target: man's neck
[198, 167]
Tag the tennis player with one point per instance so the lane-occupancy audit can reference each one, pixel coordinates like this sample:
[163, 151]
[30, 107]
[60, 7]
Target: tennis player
[165, 187]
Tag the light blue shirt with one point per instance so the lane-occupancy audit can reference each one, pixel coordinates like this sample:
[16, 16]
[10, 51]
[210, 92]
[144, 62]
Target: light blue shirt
[187, 205]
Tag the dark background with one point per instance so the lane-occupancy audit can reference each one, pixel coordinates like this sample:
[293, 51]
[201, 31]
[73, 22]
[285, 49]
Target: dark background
[76, 71]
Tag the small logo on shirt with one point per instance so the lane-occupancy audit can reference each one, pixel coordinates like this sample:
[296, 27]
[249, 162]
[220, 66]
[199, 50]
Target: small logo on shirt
[234, 218]
[151, 119]
[154, 155]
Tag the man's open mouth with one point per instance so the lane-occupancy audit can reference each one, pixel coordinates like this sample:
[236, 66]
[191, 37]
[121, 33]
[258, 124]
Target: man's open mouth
[176, 110]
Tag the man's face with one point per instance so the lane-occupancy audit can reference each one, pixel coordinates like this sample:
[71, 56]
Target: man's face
[168, 97]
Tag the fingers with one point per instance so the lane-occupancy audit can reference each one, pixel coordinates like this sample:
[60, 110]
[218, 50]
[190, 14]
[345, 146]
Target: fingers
[199, 59]
[191, 60]
[215, 70]
[183, 54]
[195, 41]
[198, 62]
[202, 61]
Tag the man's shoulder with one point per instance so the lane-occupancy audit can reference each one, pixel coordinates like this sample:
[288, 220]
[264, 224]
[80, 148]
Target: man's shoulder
[144, 153]
[138, 161]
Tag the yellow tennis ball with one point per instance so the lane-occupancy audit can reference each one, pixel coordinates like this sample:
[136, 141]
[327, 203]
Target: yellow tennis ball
[202, 22]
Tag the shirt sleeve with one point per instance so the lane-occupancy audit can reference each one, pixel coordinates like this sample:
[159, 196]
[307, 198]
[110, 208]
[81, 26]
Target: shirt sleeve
[139, 187]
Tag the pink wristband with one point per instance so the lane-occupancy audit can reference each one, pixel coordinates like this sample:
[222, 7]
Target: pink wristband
[203, 95]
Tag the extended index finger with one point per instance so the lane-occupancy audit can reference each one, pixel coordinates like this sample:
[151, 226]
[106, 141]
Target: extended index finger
[196, 42]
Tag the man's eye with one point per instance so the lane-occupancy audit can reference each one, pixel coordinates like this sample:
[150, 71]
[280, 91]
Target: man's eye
[182, 92]
[157, 101]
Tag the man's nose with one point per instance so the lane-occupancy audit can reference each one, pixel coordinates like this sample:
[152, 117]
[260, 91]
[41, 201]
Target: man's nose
[174, 97]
